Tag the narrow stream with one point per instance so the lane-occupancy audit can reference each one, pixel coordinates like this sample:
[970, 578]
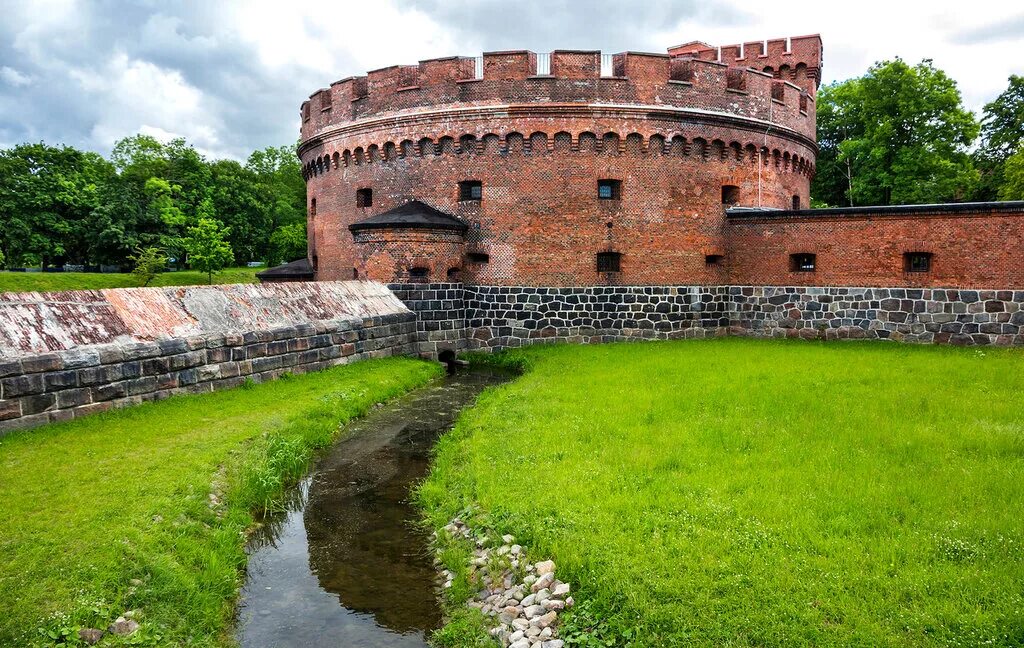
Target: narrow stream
[347, 566]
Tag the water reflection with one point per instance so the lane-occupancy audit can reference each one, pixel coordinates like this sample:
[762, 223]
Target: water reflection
[346, 565]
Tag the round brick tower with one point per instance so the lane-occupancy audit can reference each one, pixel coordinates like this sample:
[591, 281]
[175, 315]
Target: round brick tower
[556, 170]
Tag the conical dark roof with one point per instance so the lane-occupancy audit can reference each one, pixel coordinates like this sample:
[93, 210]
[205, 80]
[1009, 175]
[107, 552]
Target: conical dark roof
[414, 215]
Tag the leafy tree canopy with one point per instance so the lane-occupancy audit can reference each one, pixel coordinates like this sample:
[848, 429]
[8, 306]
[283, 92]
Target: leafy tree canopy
[59, 205]
[899, 134]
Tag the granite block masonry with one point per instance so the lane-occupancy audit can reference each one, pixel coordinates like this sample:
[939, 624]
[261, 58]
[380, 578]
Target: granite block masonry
[68, 354]
[498, 317]
[64, 355]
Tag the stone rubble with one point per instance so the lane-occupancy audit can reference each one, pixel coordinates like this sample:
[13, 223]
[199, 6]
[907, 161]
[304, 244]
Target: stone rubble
[521, 599]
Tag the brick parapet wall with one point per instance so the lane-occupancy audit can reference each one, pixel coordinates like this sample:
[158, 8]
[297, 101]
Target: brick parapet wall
[44, 388]
[782, 94]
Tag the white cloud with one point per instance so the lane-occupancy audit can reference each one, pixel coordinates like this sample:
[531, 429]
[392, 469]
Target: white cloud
[12, 77]
[229, 76]
[856, 36]
[138, 94]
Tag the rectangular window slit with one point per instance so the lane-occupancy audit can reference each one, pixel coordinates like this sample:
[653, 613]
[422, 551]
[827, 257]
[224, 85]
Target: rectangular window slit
[609, 261]
[609, 189]
[803, 262]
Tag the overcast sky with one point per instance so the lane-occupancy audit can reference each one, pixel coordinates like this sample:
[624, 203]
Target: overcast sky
[229, 76]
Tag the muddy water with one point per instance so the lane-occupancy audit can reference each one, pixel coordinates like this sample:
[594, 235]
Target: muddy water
[346, 566]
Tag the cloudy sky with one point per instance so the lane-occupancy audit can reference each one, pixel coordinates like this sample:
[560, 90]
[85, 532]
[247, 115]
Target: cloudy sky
[229, 75]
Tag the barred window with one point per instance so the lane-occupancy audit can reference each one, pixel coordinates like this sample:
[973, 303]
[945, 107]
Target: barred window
[471, 190]
[609, 189]
[917, 262]
[364, 197]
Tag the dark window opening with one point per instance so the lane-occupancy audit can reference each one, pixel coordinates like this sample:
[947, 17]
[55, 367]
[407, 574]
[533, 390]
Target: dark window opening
[312, 207]
[471, 190]
[796, 202]
[778, 90]
[735, 80]
[316, 262]
[478, 257]
[355, 273]
[419, 274]
[803, 103]
[730, 194]
[305, 111]
[453, 274]
[364, 197]
[609, 261]
[609, 189]
[713, 259]
[802, 262]
[917, 262]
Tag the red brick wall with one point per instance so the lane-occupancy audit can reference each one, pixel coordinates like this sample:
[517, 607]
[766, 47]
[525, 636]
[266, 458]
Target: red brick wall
[672, 128]
[393, 253]
[977, 249]
[540, 220]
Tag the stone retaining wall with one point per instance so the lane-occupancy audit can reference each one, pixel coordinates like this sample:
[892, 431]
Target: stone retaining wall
[441, 315]
[67, 354]
[60, 386]
[925, 315]
[64, 355]
[497, 317]
[511, 316]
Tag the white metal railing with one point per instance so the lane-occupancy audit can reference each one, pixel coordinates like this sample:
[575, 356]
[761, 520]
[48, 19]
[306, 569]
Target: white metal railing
[478, 67]
[607, 65]
[544, 64]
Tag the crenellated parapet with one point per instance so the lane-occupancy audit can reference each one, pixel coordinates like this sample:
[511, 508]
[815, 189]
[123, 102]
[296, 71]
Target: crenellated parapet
[796, 59]
[774, 90]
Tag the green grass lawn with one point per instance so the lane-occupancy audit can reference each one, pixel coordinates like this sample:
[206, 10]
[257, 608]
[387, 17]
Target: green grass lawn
[747, 492]
[50, 281]
[113, 512]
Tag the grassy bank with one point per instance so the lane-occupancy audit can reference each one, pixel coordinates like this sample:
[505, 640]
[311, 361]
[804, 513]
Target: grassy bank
[746, 492]
[114, 512]
[50, 281]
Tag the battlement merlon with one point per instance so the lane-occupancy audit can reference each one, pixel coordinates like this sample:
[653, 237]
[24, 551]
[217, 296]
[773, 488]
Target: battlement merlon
[796, 58]
[693, 78]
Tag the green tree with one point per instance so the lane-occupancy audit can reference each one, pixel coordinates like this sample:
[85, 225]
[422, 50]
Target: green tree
[208, 251]
[149, 262]
[279, 171]
[47, 198]
[245, 204]
[287, 243]
[1012, 187]
[899, 134]
[1002, 134]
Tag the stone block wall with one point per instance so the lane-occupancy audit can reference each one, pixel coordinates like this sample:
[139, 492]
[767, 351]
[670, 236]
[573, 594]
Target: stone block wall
[105, 353]
[44, 388]
[511, 316]
[441, 315]
[497, 317]
[68, 354]
[923, 315]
